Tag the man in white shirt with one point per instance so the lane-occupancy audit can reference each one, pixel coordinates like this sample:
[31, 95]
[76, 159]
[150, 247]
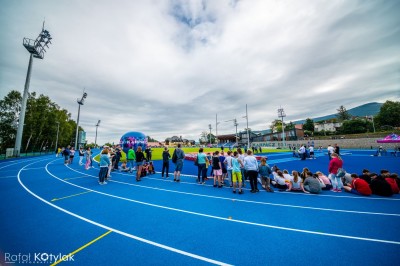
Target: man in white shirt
[330, 151]
[302, 152]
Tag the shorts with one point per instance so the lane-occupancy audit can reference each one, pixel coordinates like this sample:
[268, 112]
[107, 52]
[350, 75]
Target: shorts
[178, 166]
[224, 171]
[236, 177]
[217, 172]
[139, 163]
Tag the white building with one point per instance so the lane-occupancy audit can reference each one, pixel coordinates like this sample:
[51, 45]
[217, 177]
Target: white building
[327, 126]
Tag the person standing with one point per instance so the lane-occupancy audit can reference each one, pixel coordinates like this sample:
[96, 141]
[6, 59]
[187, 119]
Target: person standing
[66, 153]
[165, 166]
[330, 151]
[81, 154]
[302, 152]
[228, 165]
[139, 162]
[311, 149]
[180, 155]
[223, 167]
[337, 149]
[265, 171]
[201, 166]
[217, 169]
[251, 167]
[131, 159]
[333, 168]
[118, 156]
[88, 154]
[148, 154]
[237, 164]
[71, 155]
[104, 165]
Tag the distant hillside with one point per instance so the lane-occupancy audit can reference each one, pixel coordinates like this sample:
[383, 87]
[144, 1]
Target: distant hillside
[362, 110]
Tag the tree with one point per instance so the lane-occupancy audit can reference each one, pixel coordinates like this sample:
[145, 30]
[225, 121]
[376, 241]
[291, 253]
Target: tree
[10, 107]
[356, 126]
[342, 114]
[309, 125]
[40, 126]
[290, 126]
[389, 114]
[276, 125]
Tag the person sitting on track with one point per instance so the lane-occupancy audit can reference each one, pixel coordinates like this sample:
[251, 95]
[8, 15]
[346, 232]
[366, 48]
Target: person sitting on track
[324, 179]
[296, 184]
[358, 186]
[311, 184]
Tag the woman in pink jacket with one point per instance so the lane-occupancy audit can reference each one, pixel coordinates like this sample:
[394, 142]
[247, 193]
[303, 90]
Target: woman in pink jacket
[333, 168]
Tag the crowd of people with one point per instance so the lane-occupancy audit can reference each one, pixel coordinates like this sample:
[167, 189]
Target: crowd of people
[236, 168]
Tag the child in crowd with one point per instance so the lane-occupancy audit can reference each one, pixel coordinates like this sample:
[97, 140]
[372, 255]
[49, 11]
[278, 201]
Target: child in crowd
[358, 186]
[295, 183]
[279, 180]
[392, 180]
[237, 164]
[311, 184]
[124, 168]
[104, 164]
[150, 169]
[325, 180]
[265, 171]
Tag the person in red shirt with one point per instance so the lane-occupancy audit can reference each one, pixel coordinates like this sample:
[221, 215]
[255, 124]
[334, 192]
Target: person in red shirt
[333, 168]
[391, 179]
[358, 186]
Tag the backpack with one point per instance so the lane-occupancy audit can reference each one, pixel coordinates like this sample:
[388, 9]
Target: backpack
[174, 157]
[341, 172]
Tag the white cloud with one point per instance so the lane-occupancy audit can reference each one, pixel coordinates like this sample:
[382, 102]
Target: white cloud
[167, 67]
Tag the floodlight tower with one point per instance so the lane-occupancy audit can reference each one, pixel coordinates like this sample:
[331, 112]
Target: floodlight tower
[80, 102]
[95, 140]
[36, 49]
[216, 128]
[209, 126]
[235, 124]
[247, 123]
[281, 114]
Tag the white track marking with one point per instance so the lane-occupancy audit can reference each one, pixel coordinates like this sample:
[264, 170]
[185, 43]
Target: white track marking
[227, 219]
[121, 232]
[239, 200]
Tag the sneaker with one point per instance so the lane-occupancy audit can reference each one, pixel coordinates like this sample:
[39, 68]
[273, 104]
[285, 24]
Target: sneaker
[240, 191]
[257, 190]
[174, 179]
[178, 180]
[334, 190]
[214, 185]
[338, 190]
[220, 186]
[252, 191]
[234, 191]
[105, 183]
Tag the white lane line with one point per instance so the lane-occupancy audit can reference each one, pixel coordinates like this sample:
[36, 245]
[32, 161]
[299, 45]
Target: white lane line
[23, 161]
[121, 232]
[11, 176]
[246, 201]
[280, 192]
[230, 220]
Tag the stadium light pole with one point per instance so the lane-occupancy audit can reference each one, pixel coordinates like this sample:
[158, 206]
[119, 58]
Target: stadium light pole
[58, 129]
[95, 140]
[36, 49]
[80, 102]
[216, 128]
[235, 124]
[209, 126]
[281, 114]
[247, 123]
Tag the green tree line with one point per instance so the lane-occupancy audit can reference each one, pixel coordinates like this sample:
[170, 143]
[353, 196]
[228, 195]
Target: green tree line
[42, 118]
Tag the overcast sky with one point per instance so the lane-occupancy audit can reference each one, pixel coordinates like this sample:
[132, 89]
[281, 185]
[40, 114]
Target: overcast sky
[168, 67]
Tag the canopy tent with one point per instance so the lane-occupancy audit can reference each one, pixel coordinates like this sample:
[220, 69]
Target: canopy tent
[392, 138]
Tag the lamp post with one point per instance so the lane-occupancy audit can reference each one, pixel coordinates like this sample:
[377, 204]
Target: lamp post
[95, 140]
[209, 126]
[235, 124]
[216, 128]
[36, 49]
[247, 123]
[80, 102]
[58, 129]
[281, 114]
